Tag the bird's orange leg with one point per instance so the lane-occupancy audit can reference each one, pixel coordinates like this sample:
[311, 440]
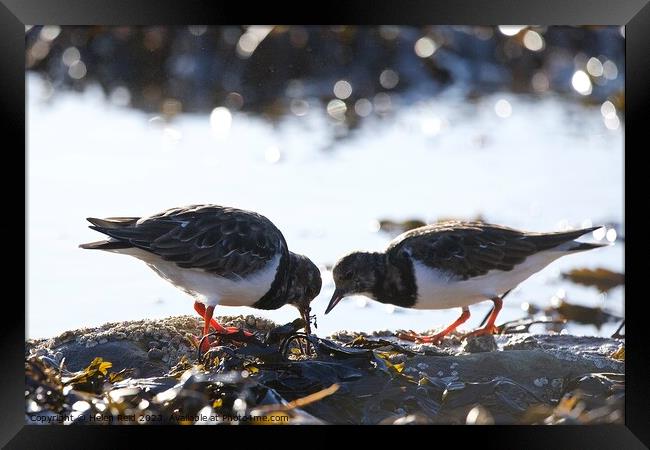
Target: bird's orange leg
[489, 327]
[436, 338]
[207, 318]
[200, 308]
[206, 313]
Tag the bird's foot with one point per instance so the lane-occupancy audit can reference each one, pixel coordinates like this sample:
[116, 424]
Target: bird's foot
[418, 338]
[489, 329]
[224, 331]
[235, 330]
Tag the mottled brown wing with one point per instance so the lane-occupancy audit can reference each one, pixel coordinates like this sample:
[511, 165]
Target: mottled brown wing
[229, 242]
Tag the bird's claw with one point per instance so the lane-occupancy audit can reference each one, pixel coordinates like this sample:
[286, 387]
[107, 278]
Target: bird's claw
[234, 330]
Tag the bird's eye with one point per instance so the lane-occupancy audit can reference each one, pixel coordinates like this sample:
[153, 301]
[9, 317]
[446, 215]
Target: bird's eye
[348, 275]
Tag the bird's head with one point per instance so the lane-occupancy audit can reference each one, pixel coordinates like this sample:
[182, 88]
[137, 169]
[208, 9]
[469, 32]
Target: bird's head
[304, 285]
[355, 273]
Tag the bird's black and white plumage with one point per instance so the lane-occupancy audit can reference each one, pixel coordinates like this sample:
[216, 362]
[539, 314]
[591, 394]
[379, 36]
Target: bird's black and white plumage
[217, 254]
[451, 264]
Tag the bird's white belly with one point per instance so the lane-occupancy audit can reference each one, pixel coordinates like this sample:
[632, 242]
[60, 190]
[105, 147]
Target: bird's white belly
[438, 290]
[208, 288]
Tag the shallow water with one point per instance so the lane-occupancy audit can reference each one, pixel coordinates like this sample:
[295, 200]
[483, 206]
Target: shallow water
[551, 163]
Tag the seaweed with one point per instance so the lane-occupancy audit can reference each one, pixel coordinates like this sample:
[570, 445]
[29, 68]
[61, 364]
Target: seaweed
[602, 279]
[589, 315]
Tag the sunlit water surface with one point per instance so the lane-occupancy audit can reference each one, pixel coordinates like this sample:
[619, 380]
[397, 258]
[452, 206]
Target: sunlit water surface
[537, 164]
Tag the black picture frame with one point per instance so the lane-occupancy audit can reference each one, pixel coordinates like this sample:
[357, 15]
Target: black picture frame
[634, 14]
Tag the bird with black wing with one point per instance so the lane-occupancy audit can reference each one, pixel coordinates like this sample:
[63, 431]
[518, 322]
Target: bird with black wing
[452, 264]
[218, 255]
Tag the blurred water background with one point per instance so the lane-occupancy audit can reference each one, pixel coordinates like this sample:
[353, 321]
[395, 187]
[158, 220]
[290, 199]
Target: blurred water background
[331, 132]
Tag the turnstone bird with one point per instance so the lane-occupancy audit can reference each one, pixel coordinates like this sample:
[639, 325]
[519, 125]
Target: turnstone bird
[218, 255]
[452, 264]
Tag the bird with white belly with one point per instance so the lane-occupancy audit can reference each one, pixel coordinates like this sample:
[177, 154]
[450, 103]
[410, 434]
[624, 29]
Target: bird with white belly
[452, 264]
[219, 256]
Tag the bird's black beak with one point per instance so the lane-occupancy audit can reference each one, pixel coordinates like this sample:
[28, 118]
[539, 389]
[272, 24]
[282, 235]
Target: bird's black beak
[336, 297]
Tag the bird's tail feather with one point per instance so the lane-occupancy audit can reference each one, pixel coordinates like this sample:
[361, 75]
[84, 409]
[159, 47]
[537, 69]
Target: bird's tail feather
[564, 240]
[105, 245]
[577, 246]
[582, 246]
[113, 222]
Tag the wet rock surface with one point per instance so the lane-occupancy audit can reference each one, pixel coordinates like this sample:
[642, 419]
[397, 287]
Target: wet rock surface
[149, 347]
[151, 368]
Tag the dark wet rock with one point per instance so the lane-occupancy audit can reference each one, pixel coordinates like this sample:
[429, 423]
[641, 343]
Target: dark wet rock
[522, 366]
[123, 355]
[156, 354]
[596, 385]
[570, 347]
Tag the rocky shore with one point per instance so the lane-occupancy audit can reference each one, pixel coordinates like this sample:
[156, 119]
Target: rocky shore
[151, 368]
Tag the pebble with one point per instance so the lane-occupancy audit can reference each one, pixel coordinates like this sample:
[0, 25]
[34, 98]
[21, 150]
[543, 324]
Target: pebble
[91, 343]
[103, 340]
[480, 344]
[423, 366]
[540, 382]
[479, 415]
